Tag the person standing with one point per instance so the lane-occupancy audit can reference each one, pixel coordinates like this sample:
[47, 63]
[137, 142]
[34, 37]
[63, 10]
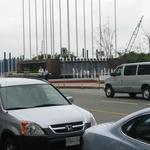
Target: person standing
[41, 72]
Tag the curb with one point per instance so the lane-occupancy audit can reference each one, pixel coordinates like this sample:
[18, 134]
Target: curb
[78, 87]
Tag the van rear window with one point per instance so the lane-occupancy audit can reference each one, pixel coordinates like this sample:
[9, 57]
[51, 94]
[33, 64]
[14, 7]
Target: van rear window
[144, 70]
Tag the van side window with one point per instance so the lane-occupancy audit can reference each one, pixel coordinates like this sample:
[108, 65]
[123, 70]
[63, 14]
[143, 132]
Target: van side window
[118, 71]
[130, 70]
[144, 70]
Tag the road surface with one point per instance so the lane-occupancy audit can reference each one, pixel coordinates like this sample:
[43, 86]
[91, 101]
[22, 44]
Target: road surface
[106, 109]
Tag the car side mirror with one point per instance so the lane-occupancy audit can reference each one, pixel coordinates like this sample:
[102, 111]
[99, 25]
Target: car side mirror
[70, 98]
[113, 74]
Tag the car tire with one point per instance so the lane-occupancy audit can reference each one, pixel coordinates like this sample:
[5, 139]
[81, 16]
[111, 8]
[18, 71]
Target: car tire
[146, 92]
[132, 95]
[9, 144]
[109, 92]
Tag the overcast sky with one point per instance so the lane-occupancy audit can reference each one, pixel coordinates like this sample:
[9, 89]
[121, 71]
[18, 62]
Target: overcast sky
[129, 13]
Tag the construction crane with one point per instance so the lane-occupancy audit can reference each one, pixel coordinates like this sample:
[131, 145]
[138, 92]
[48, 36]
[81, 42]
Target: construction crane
[134, 36]
[147, 36]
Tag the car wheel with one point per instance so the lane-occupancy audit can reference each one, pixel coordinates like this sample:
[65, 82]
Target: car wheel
[109, 91]
[9, 144]
[146, 93]
[132, 95]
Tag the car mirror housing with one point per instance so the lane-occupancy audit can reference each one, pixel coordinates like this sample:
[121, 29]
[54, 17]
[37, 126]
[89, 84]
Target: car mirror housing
[70, 98]
[113, 74]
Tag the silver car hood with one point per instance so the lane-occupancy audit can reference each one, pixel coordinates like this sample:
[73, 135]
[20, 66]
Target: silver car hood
[46, 116]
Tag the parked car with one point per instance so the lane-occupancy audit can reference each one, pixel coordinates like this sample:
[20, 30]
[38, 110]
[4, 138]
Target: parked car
[130, 133]
[131, 78]
[35, 115]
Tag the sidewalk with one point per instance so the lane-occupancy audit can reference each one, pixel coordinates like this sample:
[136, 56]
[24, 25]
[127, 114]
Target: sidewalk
[78, 83]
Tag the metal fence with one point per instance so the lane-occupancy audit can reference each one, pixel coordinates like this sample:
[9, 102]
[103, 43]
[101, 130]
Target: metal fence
[8, 66]
[85, 68]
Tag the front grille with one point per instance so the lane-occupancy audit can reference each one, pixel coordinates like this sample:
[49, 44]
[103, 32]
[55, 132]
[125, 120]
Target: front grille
[68, 127]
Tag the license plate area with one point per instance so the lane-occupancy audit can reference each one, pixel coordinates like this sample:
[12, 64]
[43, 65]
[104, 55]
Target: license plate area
[71, 141]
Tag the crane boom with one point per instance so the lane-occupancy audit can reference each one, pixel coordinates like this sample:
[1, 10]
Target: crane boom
[134, 36]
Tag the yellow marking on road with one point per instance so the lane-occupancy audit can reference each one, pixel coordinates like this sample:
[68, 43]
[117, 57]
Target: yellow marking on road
[119, 102]
[109, 112]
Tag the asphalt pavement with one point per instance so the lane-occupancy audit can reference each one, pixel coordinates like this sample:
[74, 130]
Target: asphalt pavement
[106, 109]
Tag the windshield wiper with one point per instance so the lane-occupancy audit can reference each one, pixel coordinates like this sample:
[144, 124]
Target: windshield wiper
[17, 108]
[46, 105]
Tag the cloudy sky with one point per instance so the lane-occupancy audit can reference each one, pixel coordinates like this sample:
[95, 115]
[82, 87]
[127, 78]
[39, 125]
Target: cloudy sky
[129, 13]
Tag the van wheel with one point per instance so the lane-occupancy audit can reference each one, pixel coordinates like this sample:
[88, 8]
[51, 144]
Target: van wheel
[146, 93]
[132, 95]
[109, 92]
[9, 144]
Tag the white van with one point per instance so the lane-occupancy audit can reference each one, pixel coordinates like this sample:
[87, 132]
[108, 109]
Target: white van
[130, 78]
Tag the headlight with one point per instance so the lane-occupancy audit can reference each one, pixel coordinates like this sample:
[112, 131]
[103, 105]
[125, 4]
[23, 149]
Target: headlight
[31, 129]
[93, 121]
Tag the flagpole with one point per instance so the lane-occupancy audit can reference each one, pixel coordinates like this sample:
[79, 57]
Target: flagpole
[53, 27]
[23, 29]
[36, 29]
[68, 24]
[92, 29]
[46, 52]
[84, 25]
[115, 16]
[30, 29]
[50, 15]
[76, 18]
[60, 19]
[43, 41]
[100, 25]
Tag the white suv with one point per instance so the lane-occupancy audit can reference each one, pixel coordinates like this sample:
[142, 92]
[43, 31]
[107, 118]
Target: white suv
[35, 115]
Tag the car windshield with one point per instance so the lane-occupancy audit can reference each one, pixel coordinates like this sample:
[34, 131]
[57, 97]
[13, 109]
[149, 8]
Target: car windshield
[30, 96]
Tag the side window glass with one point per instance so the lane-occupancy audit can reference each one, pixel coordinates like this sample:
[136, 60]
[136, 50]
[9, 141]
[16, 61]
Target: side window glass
[118, 71]
[130, 70]
[138, 128]
[144, 70]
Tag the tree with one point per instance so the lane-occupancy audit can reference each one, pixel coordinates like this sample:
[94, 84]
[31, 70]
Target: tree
[133, 57]
[106, 44]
